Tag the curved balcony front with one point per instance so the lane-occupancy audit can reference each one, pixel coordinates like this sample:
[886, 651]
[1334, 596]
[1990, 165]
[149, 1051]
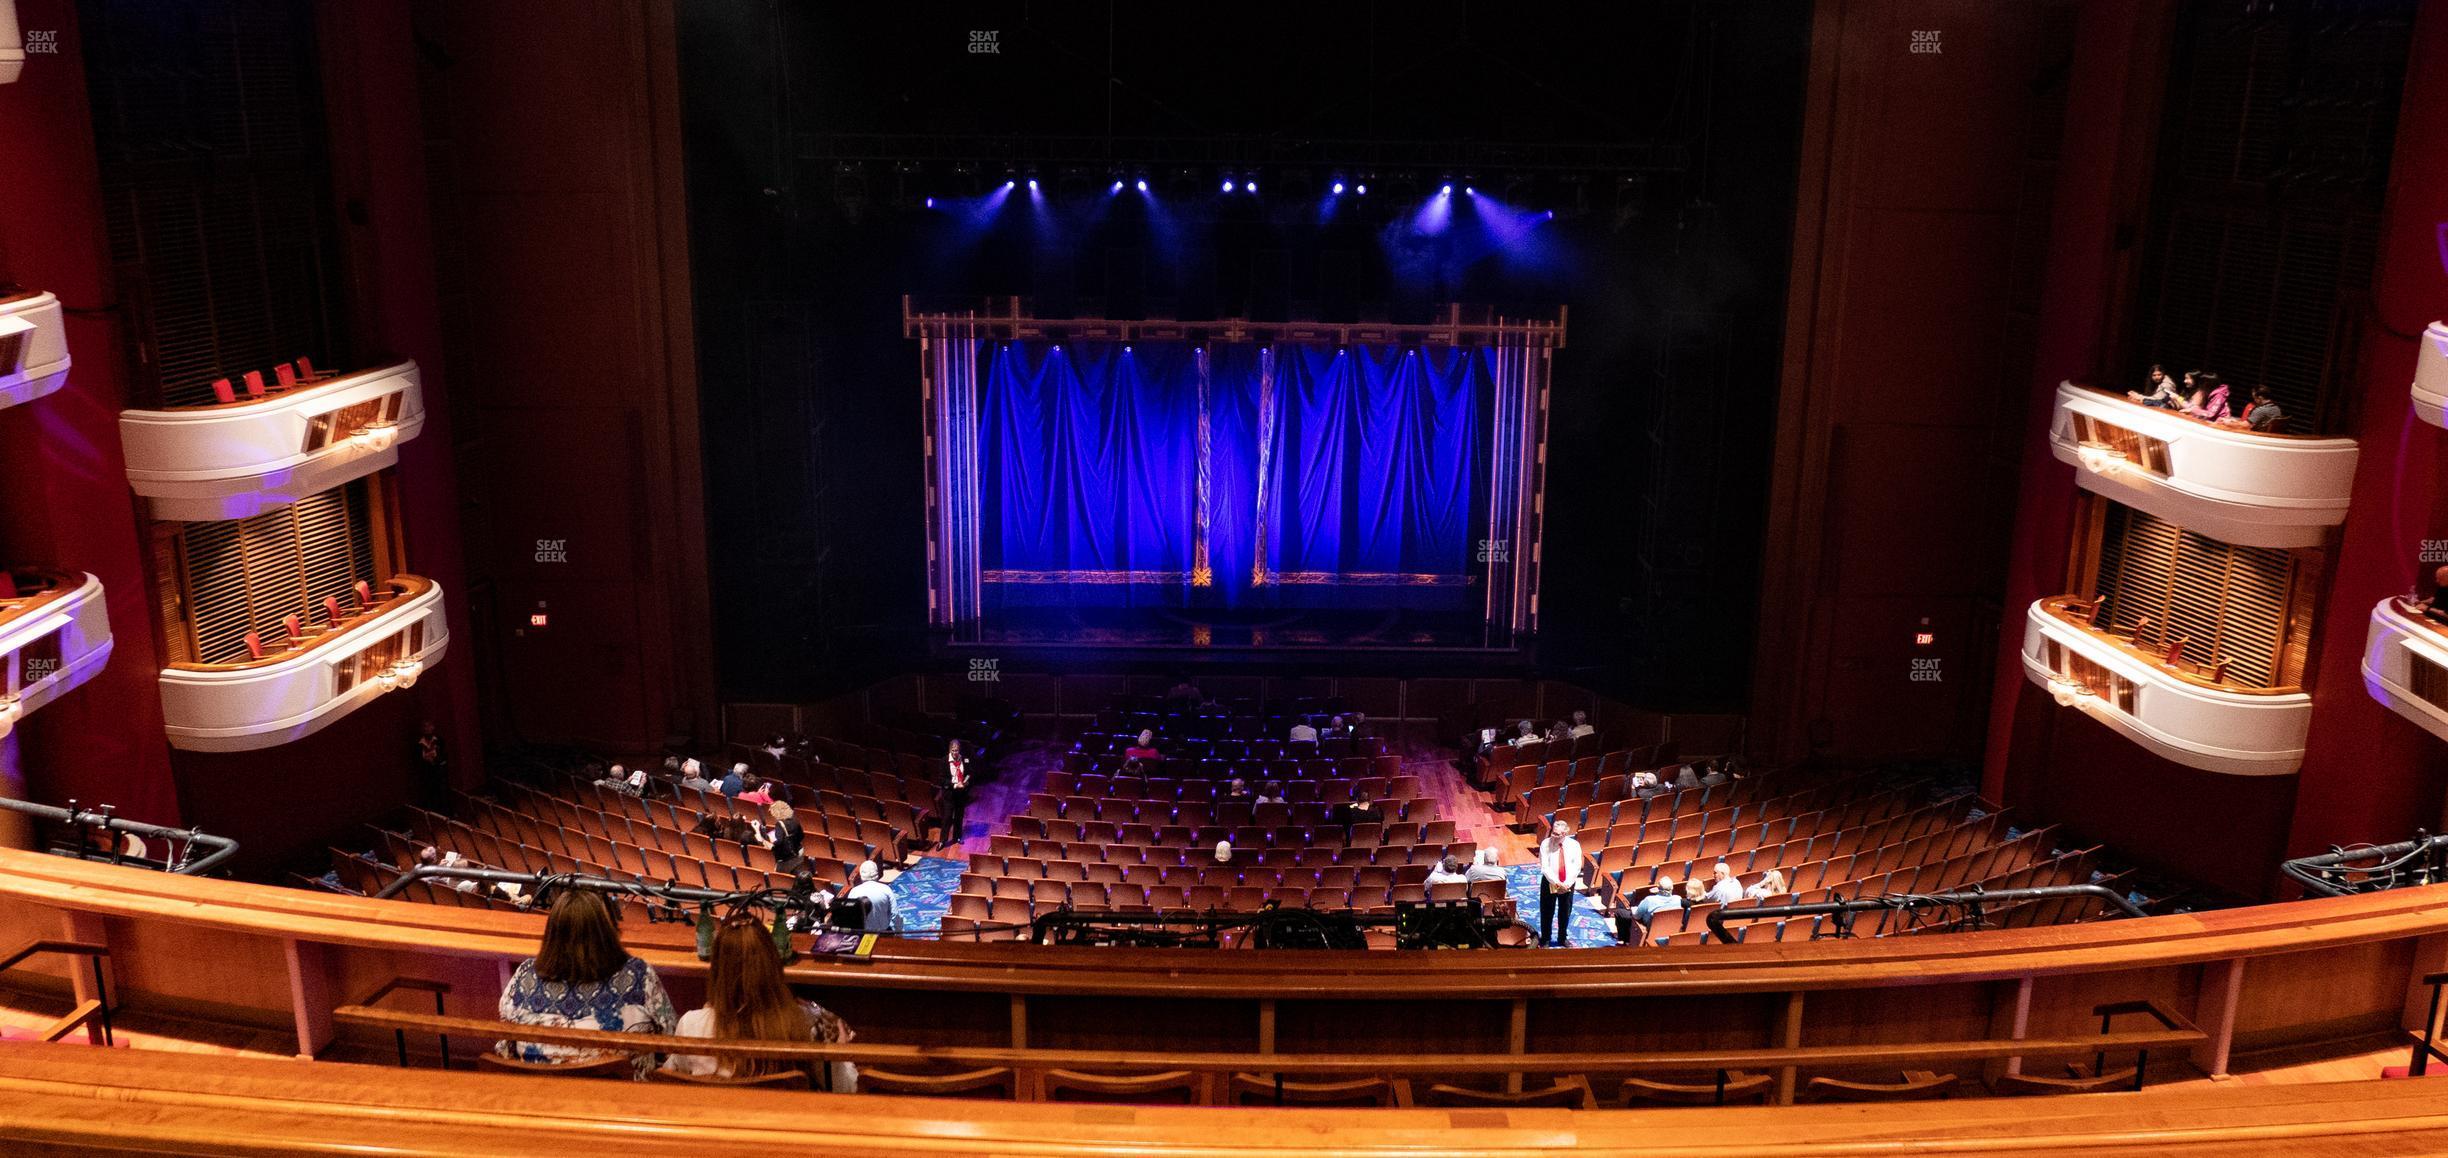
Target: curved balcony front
[2232, 484]
[2178, 712]
[2431, 375]
[33, 347]
[231, 460]
[54, 634]
[301, 689]
[2405, 664]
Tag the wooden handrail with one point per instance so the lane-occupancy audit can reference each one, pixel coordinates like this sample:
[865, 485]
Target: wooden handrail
[401, 585]
[2066, 609]
[1767, 1057]
[46, 945]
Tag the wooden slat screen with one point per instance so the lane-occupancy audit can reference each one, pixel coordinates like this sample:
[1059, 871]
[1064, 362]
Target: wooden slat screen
[244, 575]
[2429, 681]
[2235, 603]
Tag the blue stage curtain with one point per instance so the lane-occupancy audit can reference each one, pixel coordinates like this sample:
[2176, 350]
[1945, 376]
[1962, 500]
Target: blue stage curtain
[1376, 462]
[1088, 475]
[1331, 476]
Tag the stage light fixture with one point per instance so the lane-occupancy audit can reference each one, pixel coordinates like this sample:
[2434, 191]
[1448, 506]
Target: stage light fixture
[1032, 184]
[930, 203]
[1445, 191]
[1117, 187]
[1361, 189]
[1143, 184]
[1228, 185]
[1338, 188]
[1467, 191]
[1253, 188]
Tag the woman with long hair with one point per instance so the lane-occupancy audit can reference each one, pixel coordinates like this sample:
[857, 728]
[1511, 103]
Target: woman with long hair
[581, 978]
[746, 999]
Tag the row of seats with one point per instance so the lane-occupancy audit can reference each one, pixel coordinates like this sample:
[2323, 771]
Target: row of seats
[906, 778]
[1393, 834]
[2031, 866]
[969, 911]
[286, 377]
[1214, 768]
[1075, 861]
[1275, 748]
[1402, 795]
[1375, 775]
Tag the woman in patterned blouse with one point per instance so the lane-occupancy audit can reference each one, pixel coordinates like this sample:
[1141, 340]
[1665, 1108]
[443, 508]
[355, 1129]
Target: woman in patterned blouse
[581, 978]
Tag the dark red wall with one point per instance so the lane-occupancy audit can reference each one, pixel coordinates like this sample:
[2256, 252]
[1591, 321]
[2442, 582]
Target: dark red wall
[1924, 202]
[64, 499]
[2369, 774]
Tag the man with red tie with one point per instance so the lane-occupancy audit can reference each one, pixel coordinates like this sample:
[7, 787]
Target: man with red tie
[955, 805]
[1559, 879]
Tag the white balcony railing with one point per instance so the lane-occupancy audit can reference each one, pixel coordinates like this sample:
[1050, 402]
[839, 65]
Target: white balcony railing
[12, 44]
[54, 634]
[260, 703]
[2431, 375]
[235, 459]
[2178, 714]
[2405, 664]
[2234, 485]
[33, 348]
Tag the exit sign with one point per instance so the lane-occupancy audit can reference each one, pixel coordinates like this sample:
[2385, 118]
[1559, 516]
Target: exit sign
[539, 619]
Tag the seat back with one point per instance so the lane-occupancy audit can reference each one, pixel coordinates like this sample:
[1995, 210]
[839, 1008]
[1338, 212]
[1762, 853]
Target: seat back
[1000, 1083]
[779, 1080]
[1570, 1091]
[1170, 1088]
[1262, 1090]
[1915, 1086]
[616, 1066]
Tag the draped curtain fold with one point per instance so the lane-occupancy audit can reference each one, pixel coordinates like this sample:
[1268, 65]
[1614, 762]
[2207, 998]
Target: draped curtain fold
[1322, 470]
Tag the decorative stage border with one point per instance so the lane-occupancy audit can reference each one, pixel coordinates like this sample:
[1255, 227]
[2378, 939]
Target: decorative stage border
[1522, 354]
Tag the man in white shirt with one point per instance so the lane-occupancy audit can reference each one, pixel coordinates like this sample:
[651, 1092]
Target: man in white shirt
[1484, 867]
[1528, 734]
[1303, 732]
[1447, 872]
[1581, 725]
[879, 898]
[1724, 887]
[1559, 879]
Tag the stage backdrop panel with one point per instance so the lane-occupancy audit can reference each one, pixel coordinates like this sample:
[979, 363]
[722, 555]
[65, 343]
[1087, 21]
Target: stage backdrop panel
[1166, 474]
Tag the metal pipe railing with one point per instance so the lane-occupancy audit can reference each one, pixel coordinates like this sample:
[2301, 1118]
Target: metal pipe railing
[186, 840]
[2423, 859]
[1974, 898]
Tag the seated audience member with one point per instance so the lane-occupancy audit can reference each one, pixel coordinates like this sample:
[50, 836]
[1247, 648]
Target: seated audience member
[1559, 732]
[1337, 728]
[1632, 921]
[1526, 734]
[735, 781]
[1687, 776]
[2264, 414]
[783, 834]
[2188, 395]
[1145, 748]
[872, 889]
[1448, 872]
[754, 790]
[1712, 773]
[581, 978]
[429, 856]
[624, 781]
[692, 775]
[1183, 691]
[747, 1000]
[1772, 884]
[1484, 867]
[1303, 733]
[1362, 810]
[776, 746]
[1581, 725]
[1237, 790]
[1273, 793]
[813, 897]
[2436, 606]
[2213, 404]
[1223, 852]
[2162, 389]
[1724, 887]
[1695, 893]
[1643, 781]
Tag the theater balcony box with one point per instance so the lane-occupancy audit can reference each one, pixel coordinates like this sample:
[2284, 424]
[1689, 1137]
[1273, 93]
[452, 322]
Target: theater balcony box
[2405, 664]
[2181, 712]
[33, 347]
[54, 635]
[2232, 484]
[300, 689]
[229, 460]
[2431, 375]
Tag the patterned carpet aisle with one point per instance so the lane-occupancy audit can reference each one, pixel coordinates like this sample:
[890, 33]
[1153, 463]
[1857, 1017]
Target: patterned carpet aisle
[921, 894]
[1588, 928]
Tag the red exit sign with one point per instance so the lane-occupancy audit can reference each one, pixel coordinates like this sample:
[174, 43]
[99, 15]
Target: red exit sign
[1921, 638]
[539, 619]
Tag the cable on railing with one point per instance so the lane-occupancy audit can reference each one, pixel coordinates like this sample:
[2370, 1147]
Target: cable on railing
[2370, 868]
[1973, 899]
[184, 841]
